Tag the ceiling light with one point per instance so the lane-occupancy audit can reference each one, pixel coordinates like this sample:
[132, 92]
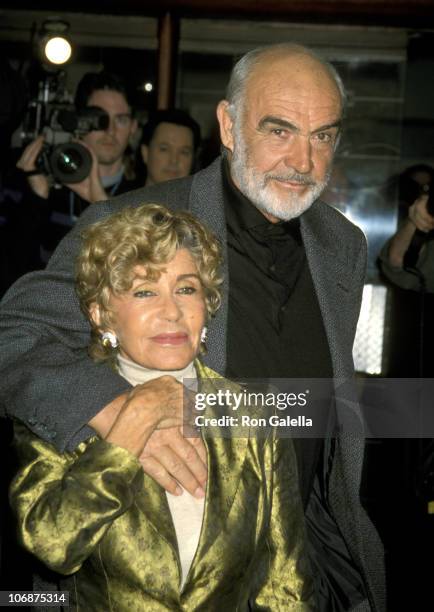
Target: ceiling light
[55, 46]
[57, 50]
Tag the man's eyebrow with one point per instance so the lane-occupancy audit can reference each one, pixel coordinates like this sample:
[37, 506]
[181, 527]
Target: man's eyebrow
[329, 126]
[276, 121]
[271, 119]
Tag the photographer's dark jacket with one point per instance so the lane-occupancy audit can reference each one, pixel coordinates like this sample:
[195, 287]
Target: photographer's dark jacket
[43, 340]
[59, 213]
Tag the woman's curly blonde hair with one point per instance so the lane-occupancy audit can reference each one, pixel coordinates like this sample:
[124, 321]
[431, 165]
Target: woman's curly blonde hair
[149, 236]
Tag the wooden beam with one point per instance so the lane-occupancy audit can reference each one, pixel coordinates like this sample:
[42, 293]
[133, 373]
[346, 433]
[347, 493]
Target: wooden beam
[398, 13]
[168, 44]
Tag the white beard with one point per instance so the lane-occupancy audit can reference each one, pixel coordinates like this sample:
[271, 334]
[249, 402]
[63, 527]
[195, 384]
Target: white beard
[255, 185]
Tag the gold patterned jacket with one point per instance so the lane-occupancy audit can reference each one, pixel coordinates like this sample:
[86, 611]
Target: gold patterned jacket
[94, 516]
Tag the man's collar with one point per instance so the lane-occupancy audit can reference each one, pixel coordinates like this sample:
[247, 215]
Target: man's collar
[241, 214]
[239, 209]
[109, 181]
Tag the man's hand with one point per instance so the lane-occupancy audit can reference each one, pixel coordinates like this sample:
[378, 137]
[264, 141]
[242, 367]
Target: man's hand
[165, 454]
[173, 460]
[157, 404]
[90, 189]
[27, 162]
[419, 215]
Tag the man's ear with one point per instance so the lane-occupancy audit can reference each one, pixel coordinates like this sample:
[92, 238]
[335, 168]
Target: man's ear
[144, 150]
[226, 125]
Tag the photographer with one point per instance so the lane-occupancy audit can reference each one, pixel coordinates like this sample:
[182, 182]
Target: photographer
[59, 207]
[411, 248]
[407, 260]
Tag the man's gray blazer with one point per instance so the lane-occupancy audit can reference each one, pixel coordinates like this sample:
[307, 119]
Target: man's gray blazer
[48, 381]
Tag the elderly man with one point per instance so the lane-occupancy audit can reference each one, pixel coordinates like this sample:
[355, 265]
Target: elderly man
[295, 270]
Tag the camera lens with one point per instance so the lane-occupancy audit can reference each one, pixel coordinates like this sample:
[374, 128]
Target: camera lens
[70, 163]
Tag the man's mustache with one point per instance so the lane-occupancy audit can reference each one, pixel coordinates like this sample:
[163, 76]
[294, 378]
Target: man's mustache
[293, 177]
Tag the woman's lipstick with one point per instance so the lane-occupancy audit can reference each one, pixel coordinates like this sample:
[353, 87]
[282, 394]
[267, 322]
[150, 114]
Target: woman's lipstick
[170, 339]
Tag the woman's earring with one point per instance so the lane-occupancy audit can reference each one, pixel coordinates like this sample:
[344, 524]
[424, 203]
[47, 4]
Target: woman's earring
[108, 339]
[203, 335]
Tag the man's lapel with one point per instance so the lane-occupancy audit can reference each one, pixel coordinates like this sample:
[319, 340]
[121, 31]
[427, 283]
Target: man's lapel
[206, 202]
[330, 263]
[331, 275]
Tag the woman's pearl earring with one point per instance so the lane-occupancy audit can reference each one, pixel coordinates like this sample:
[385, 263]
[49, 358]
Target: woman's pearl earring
[108, 339]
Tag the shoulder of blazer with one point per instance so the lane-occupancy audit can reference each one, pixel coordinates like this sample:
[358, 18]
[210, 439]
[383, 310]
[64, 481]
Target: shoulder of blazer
[173, 194]
[169, 193]
[333, 229]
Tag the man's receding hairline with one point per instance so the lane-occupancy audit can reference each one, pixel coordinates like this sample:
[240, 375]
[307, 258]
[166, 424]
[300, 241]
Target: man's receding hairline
[282, 51]
[250, 63]
[272, 55]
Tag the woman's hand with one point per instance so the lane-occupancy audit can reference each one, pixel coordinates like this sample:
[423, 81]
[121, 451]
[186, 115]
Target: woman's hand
[157, 404]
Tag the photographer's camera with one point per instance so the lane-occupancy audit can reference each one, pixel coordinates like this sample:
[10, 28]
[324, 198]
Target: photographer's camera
[62, 158]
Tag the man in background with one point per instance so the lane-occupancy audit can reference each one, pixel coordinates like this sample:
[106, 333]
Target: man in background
[407, 261]
[59, 208]
[169, 144]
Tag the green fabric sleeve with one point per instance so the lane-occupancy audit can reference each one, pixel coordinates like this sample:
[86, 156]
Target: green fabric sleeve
[65, 503]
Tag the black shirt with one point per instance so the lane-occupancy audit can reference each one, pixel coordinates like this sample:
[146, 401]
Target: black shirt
[275, 326]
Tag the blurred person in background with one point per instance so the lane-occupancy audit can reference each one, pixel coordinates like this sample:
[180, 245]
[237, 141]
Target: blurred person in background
[168, 147]
[414, 186]
[407, 261]
[59, 208]
[14, 259]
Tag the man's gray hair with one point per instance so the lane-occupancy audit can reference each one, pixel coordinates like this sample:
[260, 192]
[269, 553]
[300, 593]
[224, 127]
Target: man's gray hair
[244, 67]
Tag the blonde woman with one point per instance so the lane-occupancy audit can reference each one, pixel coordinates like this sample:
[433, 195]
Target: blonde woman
[148, 280]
